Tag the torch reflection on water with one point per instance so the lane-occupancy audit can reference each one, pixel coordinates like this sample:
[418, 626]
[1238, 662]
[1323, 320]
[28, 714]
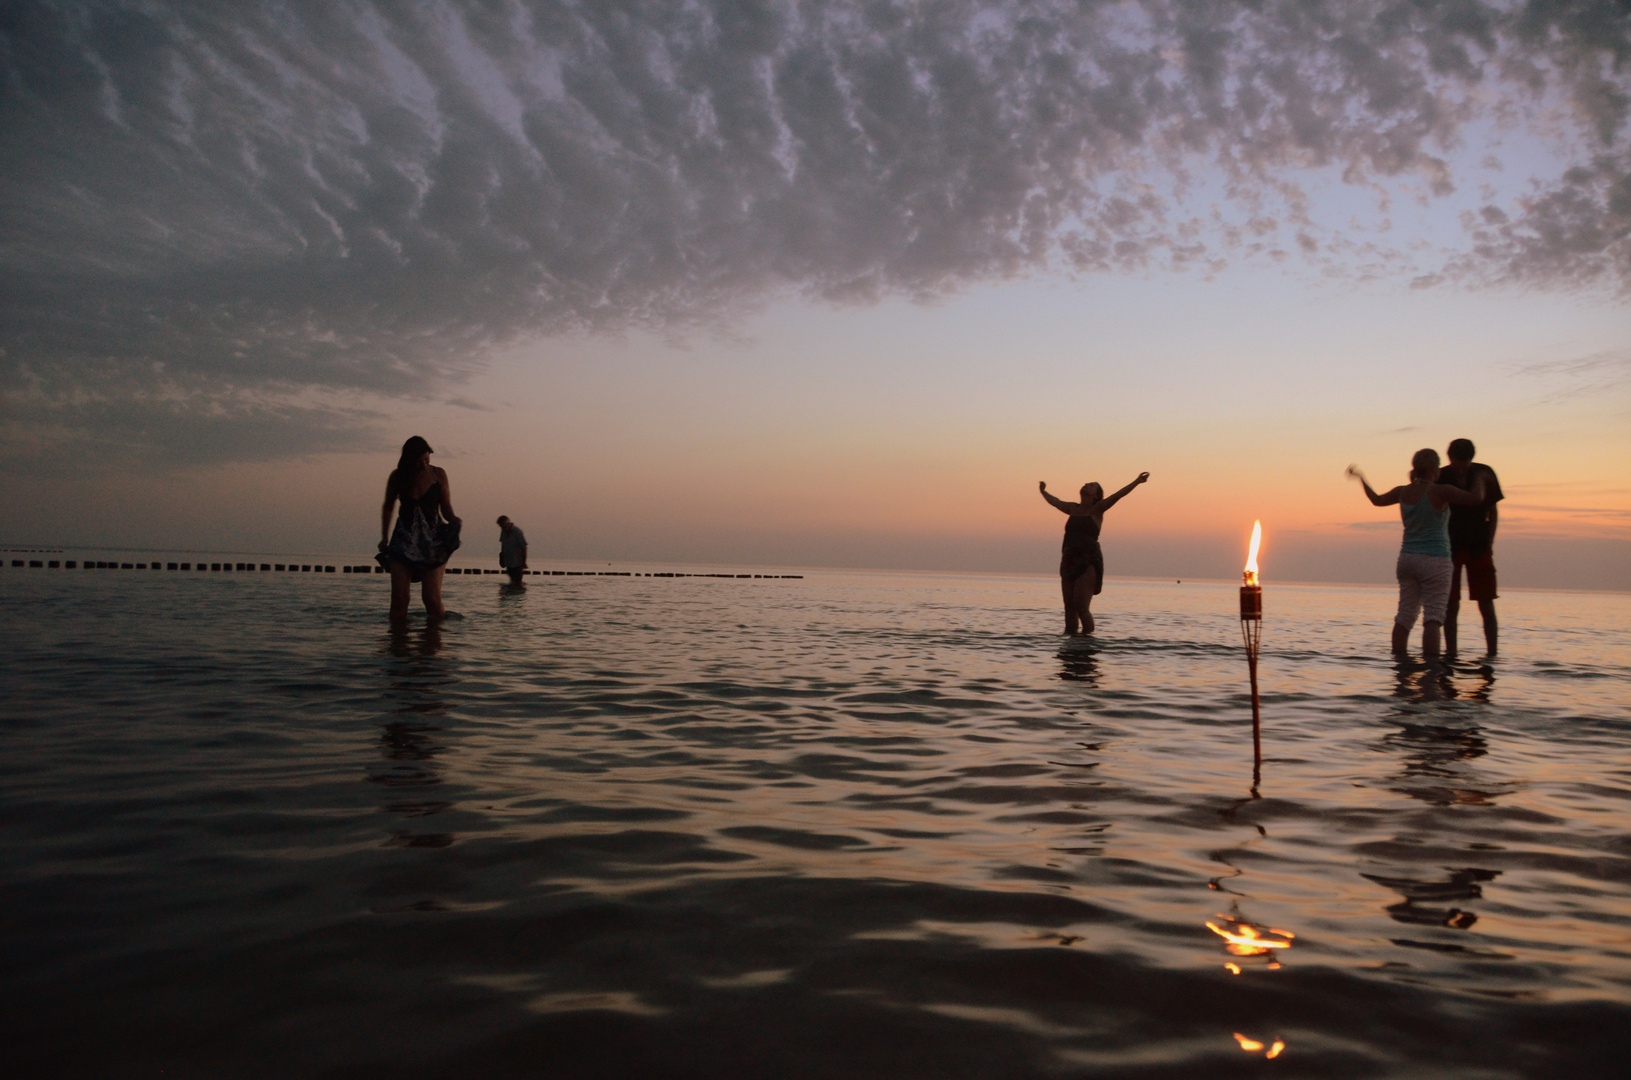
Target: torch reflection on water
[1246, 940]
[1252, 1046]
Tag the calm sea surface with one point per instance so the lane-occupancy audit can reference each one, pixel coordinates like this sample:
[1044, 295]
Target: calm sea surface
[852, 825]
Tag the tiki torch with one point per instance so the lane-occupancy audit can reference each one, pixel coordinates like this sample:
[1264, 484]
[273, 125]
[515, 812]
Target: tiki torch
[1251, 631]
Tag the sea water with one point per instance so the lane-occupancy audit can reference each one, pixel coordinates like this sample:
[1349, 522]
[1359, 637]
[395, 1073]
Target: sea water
[847, 825]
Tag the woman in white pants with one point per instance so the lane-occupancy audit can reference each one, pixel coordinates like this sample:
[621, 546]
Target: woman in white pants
[1424, 565]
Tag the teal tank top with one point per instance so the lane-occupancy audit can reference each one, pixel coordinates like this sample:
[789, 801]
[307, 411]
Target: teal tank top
[1426, 531]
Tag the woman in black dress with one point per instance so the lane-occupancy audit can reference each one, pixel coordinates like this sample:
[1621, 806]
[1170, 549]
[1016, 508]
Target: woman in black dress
[1081, 563]
[427, 530]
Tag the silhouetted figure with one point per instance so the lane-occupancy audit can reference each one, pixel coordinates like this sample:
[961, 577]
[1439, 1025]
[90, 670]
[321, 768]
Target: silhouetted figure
[1423, 568]
[1081, 562]
[512, 550]
[427, 530]
[1472, 542]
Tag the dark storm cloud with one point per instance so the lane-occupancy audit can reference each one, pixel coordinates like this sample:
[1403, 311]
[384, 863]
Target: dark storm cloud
[209, 207]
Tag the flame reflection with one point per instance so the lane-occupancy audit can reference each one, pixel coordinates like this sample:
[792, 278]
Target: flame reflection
[1246, 940]
[1252, 1046]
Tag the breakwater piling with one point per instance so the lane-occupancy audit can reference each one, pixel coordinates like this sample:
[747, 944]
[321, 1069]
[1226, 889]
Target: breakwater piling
[362, 569]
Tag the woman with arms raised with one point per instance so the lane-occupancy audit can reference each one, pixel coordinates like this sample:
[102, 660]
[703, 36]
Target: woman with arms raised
[1081, 563]
[1424, 563]
[427, 530]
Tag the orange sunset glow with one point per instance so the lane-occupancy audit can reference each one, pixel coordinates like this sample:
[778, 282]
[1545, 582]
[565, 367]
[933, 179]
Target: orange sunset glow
[815, 538]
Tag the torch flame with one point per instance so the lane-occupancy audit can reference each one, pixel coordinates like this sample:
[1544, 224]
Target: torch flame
[1251, 557]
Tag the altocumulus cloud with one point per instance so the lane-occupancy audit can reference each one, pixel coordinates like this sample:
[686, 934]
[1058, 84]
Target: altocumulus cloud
[215, 216]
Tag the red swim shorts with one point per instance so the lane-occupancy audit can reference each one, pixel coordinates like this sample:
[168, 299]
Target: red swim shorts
[1480, 574]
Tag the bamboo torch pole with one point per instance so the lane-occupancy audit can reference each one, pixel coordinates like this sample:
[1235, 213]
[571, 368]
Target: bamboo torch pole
[1251, 632]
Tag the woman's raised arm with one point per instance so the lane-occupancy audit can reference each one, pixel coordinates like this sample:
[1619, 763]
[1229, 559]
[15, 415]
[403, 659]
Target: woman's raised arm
[1454, 495]
[1105, 504]
[1387, 498]
[1062, 506]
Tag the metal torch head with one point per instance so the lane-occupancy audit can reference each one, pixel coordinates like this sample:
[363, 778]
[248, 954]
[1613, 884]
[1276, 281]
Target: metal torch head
[1251, 602]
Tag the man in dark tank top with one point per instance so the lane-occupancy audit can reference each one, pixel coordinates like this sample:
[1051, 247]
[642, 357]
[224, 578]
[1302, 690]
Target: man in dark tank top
[1472, 541]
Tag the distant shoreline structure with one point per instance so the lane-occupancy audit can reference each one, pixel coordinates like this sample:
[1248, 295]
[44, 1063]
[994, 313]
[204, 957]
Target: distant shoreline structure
[360, 569]
[135, 560]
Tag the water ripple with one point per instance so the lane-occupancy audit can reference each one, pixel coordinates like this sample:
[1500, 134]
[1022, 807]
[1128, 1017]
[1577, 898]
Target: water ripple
[863, 825]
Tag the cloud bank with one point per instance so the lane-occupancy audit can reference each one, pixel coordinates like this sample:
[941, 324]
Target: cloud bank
[212, 210]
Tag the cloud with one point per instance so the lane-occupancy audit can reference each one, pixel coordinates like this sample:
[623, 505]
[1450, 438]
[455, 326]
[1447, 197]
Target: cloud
[1595, 375]
[1572, 231]
[245, 201]
[165, 422]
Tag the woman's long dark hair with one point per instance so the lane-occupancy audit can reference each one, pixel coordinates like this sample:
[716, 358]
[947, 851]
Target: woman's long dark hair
[407, 464]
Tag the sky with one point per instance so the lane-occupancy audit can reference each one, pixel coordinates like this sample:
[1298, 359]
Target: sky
[818, 284]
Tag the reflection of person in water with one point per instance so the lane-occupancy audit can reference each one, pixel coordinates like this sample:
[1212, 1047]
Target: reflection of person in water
[1081, 563]
[1079, 665]
[410, 774]
[1439, 748]
[1419, 906]
[1424, 565]
[427, 530]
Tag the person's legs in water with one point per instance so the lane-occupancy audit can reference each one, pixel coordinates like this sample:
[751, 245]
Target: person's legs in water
[1086, 586]
[1433, 573]
[401, 584]
[1067, 586]
[1481, 590]
[1481, 587]
[1453, 609]
[431, 591]
[1492, 630]
[516, 576]
[1409, 605]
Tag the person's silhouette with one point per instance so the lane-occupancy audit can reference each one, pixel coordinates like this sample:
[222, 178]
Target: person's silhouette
[426, 533]
[1081, 562]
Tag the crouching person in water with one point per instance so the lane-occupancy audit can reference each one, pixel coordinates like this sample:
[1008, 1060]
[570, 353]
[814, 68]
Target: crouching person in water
[512, 550]
[1081, 562]
[1424, 564]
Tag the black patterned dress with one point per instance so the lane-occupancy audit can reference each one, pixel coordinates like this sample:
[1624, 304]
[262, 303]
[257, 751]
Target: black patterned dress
[422, 541]
[1081, 551]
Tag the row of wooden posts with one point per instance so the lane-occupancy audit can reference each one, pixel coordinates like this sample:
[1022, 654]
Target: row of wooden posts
[365, 568]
